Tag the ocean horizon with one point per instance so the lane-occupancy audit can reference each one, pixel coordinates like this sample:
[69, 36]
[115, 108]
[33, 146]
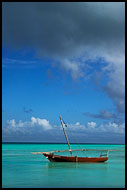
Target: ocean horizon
[22, 169]
[59, 143]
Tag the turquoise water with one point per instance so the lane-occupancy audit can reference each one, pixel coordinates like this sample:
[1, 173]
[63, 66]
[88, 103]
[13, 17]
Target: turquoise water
[22, 169]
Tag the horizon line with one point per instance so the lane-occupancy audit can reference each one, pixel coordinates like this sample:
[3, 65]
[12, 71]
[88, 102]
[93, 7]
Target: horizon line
[58, 143]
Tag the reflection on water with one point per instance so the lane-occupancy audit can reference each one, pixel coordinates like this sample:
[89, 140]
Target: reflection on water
[68, 174]
[64, 165]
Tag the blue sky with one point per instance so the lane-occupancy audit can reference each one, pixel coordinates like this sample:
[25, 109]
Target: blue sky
[53, 66]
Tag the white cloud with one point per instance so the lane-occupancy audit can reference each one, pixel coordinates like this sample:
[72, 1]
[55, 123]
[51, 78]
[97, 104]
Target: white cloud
[74, 67]
[34, 122]
[77, 123]
[115, 87]
[93, 127]
[113, 128]
[92, 124]
[41, 122]
[11, 122]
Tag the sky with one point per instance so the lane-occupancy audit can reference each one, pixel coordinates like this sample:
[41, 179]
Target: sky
[68, 59]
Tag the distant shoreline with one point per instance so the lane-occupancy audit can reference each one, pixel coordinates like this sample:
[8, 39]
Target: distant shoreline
[58, 143]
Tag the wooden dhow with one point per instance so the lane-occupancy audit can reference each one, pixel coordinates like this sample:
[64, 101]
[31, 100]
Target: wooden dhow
[59, 158]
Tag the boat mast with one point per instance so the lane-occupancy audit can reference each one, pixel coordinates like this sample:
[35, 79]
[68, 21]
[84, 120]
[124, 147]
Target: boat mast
[65, 135]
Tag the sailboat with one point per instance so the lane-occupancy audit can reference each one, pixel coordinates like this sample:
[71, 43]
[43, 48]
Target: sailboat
[59, 158]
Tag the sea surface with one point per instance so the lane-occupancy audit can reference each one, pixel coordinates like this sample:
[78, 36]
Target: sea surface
[22, 169]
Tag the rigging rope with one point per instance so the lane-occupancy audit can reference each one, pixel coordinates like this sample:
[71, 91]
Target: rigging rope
[74, 138]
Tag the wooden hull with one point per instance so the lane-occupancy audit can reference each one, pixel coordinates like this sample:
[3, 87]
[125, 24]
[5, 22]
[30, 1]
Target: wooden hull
[57, 158]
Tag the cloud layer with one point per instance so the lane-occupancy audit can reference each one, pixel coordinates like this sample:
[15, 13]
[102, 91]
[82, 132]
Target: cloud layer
[45, 125]
[41, 130]
[64, 29]
[102, 115]
[73, 35]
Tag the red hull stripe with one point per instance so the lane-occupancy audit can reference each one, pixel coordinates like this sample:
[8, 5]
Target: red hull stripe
[56, 158]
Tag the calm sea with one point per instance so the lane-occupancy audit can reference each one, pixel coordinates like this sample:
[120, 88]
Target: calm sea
[21, 168]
